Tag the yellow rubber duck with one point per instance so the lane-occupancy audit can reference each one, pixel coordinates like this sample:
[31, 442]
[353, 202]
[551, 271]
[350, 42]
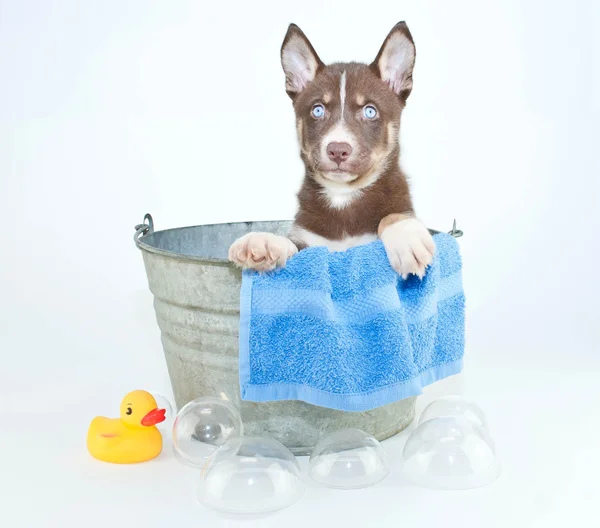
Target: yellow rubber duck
[133, 437]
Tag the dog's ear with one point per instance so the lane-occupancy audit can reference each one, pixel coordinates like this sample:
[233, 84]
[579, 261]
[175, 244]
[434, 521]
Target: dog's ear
[395, 61]
[299, 60]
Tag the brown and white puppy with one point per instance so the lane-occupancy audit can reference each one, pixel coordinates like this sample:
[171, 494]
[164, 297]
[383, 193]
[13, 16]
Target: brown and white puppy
[348, 120]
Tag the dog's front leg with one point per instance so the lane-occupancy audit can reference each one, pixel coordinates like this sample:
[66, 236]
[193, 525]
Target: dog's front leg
[261, 251]
[408, 243]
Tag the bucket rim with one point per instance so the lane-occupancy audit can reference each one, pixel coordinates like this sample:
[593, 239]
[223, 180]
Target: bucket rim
[145, 230]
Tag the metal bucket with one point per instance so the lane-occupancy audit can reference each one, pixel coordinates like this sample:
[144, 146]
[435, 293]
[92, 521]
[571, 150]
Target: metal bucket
[196, 299]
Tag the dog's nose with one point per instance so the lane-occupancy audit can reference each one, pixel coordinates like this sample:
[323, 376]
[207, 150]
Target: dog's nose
[339, 152]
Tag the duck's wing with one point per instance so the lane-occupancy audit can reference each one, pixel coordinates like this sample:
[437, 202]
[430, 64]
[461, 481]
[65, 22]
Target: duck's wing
[106, 427]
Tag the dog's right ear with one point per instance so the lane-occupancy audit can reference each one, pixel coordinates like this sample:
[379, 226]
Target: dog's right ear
[299, 60]
[396, 59]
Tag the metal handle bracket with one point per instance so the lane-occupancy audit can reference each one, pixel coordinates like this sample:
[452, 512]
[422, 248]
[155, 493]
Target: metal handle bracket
[146, 228]
[456, 233]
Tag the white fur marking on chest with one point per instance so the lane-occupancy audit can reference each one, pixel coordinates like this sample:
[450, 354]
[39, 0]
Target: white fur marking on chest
[313, 240]
[342, 93]
[340, 197]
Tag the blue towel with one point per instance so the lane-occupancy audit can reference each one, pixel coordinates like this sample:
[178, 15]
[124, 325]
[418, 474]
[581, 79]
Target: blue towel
[343, 330]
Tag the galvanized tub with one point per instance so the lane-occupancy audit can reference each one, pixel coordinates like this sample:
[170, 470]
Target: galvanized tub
[196, 300]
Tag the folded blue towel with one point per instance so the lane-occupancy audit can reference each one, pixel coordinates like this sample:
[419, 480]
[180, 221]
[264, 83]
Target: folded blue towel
[343, 330]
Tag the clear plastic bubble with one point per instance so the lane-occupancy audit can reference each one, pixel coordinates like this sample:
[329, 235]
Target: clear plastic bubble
[450, 453]
[163, 402]
[250, 476]
[203, 425]
[454, 406]
[348, 459]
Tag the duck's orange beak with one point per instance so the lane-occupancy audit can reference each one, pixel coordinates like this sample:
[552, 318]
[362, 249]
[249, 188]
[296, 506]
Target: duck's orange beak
[153, 417]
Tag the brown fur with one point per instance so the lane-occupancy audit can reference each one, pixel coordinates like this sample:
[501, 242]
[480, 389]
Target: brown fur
[388, 195]
[376, 147]
[348, 122]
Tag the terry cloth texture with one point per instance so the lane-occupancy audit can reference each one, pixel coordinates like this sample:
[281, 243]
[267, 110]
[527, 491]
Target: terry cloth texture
[343, 330]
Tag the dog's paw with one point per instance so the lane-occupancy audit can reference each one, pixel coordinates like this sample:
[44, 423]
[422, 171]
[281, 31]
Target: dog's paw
[261, 251]
[409, 246]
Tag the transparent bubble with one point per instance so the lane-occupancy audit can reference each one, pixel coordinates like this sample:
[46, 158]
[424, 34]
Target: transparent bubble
[348, 459]
[162, 402]
[249, 476]
[454, 406]
[203, 425]
[450, 453]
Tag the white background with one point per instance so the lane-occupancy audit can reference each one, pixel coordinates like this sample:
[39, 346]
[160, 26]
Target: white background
[112, 109]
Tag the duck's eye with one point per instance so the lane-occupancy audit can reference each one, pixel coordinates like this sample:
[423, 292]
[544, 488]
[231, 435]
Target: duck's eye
[370, 112]
[128, 411]
[318, 111]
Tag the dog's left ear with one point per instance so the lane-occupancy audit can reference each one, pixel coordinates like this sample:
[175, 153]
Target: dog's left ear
[299, 60]
[395, 61]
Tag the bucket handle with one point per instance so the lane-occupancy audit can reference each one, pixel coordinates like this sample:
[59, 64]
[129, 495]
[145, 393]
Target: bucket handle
[456, 233]
[146, 228]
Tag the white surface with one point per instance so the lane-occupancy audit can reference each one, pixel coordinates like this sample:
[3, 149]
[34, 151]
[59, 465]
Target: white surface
[109, 110]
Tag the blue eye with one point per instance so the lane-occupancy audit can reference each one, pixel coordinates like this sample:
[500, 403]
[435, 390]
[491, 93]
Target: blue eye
[370, 112]
[318, 111]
